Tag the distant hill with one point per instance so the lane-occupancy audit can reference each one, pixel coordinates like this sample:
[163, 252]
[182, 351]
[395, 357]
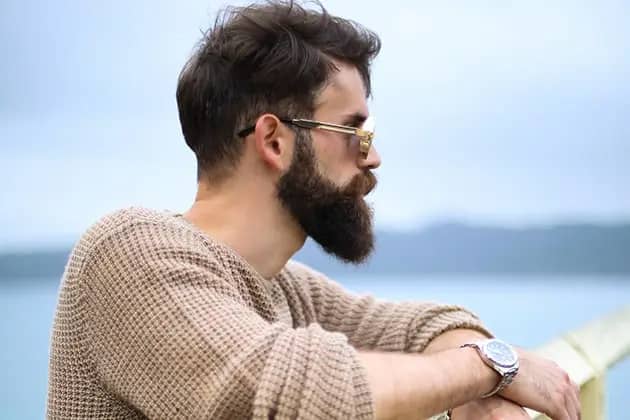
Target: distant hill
[33, 264]
[463, 249]
[439, 249]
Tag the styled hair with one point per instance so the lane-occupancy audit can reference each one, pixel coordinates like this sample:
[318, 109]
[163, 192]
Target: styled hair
[272, 57]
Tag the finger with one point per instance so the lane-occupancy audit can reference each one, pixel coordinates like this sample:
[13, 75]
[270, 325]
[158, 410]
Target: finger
[576, 395]
[561, 415]
[572, 407]
[566, 395]
[564, 405]
[565, 415]
[572, 401]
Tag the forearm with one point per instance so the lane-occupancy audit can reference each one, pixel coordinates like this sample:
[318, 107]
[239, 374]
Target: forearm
[421, 385]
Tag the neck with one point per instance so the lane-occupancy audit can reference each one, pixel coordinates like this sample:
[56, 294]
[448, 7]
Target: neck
[250, 220]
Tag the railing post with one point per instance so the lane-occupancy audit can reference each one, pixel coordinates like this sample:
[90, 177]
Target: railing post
[593, 398]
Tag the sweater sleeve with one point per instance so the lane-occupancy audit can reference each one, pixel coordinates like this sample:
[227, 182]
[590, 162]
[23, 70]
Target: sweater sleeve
[172, 339]
[373, 324]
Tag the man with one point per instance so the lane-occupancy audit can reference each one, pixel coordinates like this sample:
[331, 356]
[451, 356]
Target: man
[202, 315]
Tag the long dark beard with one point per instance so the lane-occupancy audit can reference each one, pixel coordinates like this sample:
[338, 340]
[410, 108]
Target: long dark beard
[338, 219]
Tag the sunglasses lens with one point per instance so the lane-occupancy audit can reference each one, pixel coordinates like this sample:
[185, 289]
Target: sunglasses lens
[368, 125]
[366, 143]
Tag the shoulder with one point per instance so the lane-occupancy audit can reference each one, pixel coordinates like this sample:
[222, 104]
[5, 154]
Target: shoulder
[136, 233]
[120, 223]
[119, 220]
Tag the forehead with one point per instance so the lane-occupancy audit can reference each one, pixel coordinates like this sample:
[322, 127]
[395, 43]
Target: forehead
[344, 93]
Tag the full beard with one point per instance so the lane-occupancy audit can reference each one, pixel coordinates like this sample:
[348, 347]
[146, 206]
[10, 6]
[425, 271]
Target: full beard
[338, 219]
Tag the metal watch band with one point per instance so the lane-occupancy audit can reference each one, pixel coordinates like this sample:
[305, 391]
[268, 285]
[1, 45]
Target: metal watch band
[505, 381]
[506, 377]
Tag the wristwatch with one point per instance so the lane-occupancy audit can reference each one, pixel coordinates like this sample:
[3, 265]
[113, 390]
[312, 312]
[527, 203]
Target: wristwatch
[501, 357]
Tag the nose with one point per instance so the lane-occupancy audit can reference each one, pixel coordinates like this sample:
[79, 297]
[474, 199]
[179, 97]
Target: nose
[372, 161]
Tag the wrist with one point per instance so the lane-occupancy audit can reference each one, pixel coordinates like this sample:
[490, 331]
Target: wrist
[487, 378]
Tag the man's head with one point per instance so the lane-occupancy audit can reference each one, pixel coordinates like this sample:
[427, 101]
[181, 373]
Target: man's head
[256, 71]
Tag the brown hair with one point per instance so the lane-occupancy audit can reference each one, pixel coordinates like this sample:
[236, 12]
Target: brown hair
[271, 57]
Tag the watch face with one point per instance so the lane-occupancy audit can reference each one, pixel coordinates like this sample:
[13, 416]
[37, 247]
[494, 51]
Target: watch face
[500, 353]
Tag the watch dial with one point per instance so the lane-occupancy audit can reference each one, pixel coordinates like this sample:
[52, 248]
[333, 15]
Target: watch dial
[500, 353]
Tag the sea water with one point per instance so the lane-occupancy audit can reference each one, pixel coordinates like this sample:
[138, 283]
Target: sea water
[524, 310]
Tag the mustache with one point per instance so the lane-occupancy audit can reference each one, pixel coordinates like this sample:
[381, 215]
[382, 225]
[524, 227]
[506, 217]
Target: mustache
[362, 184]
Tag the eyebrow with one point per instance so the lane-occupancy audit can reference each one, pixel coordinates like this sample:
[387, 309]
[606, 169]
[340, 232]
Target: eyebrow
[354, 120]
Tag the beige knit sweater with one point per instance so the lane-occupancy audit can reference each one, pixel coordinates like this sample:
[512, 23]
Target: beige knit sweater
[157, 320]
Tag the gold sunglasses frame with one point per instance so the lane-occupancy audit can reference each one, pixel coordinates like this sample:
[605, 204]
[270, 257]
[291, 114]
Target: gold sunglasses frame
[365, 136]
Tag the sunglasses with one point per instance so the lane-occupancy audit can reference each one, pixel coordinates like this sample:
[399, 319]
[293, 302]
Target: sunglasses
[365, 133]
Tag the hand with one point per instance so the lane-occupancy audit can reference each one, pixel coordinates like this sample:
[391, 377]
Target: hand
[493, 408]
[543, 386]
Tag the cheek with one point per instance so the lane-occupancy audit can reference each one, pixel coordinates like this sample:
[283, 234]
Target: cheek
[335, 158]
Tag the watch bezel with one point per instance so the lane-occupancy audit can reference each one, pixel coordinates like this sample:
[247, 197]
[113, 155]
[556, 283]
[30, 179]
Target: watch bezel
[483, 346]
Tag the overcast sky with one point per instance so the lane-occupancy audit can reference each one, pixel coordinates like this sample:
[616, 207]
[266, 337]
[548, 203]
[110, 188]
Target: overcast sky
[495, 112]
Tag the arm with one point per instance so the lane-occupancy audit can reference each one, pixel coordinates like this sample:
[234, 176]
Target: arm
[460, 384]
[415, 327]
[417, 386]
[372, 324]
[400, 327]
[540, 385]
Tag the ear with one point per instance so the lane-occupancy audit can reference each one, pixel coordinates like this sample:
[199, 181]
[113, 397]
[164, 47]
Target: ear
[274, 142]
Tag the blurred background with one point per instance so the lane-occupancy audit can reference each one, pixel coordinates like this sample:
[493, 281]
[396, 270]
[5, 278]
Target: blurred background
[504, 129]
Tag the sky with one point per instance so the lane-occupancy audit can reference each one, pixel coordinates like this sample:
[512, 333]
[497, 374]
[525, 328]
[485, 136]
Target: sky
[490, 112]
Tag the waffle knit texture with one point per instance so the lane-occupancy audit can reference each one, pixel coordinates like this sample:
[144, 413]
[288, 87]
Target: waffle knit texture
[157, 320]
